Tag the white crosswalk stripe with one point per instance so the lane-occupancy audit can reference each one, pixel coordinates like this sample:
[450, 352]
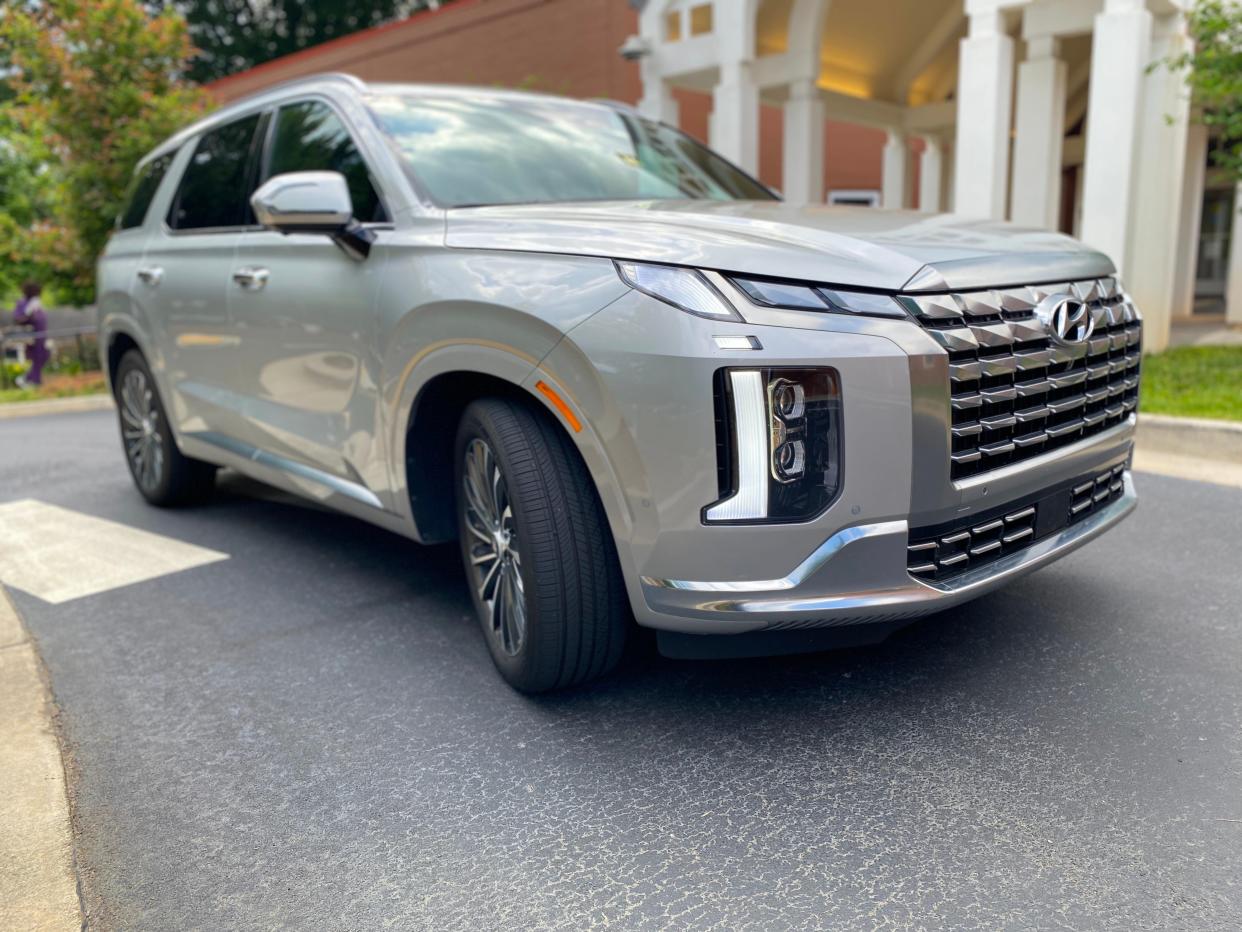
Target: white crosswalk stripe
[56, 554]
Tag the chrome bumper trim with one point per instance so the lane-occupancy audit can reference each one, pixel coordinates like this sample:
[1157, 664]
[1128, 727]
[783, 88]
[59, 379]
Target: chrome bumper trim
[763, 604]
[822, 554]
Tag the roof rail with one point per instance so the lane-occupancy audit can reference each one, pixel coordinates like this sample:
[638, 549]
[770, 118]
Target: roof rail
[352, 80]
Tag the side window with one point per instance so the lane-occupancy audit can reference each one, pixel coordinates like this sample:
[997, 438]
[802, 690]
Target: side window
[310, 137]
[142, 191]
[213, 188]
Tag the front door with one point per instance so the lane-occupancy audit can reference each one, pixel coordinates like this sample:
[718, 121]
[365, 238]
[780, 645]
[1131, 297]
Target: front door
[305, 314]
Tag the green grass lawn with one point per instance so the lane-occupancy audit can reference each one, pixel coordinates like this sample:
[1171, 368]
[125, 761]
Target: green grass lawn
[1194, 381]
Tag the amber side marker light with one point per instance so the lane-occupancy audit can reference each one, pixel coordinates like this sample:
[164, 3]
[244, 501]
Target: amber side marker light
[559, 403]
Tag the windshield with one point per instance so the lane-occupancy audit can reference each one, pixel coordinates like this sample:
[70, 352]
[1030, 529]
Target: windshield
[506, 149]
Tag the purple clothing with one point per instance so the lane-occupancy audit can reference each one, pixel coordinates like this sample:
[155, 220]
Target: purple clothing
[29, 311]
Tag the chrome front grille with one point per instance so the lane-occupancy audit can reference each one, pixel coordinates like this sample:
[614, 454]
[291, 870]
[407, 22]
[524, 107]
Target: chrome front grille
[1014, 392]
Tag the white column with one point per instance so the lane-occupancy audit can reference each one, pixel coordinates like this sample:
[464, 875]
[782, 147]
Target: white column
[657, 102]
[984, 91]
[930, 173]
[1036, 189]
[1121, 46]
[1156, 211]
[734, 125]
[1233, 287]
[803, 172]
[894, 171]
[1193, 177]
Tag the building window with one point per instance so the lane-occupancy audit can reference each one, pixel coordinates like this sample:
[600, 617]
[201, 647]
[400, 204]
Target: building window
[672, 26]
[854, 197]
[701, 19]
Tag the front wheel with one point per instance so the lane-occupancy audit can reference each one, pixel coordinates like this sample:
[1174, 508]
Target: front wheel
[162, 474]
[537, 549]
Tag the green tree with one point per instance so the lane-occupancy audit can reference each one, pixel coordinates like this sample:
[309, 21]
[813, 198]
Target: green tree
[1214, 74]
[102, 81]
[233, 35]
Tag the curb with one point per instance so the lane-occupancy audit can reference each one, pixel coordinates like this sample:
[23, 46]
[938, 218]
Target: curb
[1195, 437]
[14, 409]
[38, 879]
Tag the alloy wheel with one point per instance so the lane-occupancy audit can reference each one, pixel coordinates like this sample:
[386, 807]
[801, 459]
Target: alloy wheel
[495, 560]
[140, 422]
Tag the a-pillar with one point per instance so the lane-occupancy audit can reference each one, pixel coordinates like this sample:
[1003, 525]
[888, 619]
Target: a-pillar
[1121, 46]
[930, 173]
[803, 171]
[984, 92]
[734, 125]
[894, 171]
[1036, 191]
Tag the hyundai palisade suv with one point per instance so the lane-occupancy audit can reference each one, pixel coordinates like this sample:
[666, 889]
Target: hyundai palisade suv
[630, 381]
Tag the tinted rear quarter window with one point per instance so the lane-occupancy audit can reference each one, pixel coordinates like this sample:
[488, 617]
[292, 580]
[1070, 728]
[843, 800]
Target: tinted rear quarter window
[142, 191]
[310, 137]
[214, 188]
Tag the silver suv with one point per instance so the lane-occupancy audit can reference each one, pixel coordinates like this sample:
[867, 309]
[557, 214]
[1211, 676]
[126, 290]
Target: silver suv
[629, 380]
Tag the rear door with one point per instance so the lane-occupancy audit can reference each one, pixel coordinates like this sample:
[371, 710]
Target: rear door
[305, 313]
[185, 275]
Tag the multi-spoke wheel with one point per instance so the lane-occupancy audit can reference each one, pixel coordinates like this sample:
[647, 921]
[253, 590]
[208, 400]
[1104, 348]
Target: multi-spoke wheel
[494, 553]
[537, 549]
[144, 446]
[163, 475]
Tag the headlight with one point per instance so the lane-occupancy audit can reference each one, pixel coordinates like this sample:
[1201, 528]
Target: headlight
[768, 293]
[684, 289]
[778, 444]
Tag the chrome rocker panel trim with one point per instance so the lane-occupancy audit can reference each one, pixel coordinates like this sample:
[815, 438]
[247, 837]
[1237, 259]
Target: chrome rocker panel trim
[756, 605]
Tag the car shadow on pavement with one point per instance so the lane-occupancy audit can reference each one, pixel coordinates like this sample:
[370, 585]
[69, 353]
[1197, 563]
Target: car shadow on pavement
[1017, 638]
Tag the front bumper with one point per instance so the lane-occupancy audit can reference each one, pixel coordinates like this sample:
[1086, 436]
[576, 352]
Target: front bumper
[810, 596]
[643, 375]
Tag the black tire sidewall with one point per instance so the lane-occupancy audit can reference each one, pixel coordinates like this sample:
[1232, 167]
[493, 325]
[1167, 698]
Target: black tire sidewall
[520, 669]
[163, 490]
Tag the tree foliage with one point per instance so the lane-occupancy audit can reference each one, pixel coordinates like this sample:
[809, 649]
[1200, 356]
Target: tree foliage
[233, 35]
[1214, 73]
[100, 82]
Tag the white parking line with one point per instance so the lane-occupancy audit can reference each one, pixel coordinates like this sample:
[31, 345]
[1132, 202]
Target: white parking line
[57, 554]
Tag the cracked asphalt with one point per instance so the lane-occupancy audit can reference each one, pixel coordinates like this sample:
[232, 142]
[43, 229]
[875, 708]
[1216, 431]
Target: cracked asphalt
[310, 735]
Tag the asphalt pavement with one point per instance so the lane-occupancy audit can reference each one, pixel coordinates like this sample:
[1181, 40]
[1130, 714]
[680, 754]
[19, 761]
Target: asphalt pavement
[309, 734]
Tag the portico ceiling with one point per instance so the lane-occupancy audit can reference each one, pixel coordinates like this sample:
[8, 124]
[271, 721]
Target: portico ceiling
[894, 50]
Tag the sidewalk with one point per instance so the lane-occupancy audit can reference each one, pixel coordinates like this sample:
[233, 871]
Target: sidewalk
[12, 409]
[38, 883]
[1210, 331]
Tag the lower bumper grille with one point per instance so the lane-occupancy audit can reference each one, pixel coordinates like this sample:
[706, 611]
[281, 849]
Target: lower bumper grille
[944, 551]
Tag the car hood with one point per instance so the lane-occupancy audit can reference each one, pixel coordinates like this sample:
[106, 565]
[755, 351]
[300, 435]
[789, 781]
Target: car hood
[847, 246]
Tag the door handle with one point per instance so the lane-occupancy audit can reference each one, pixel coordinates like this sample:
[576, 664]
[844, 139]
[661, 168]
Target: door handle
[151, 275]
[251, 279]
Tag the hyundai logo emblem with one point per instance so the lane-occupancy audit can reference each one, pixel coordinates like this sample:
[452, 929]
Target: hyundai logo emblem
[1067, 320]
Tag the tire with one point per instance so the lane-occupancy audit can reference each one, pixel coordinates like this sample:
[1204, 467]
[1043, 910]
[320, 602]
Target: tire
[164, 476]
[554, 567]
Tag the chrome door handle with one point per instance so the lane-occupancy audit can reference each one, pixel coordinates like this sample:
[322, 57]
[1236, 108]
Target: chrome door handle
[251, 279]
[151, 275]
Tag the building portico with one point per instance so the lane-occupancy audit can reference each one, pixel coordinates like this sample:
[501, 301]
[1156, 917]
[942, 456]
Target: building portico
[1043, 112]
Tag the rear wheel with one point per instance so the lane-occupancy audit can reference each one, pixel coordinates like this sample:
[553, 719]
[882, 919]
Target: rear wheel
[162, 474]
[537, 549]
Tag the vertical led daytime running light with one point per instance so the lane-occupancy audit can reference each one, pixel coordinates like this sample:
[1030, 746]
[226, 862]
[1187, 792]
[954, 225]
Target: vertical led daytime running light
[750, 418]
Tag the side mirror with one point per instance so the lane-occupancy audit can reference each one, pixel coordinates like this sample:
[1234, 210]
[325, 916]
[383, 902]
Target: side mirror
[304, 202]
[312, 202]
